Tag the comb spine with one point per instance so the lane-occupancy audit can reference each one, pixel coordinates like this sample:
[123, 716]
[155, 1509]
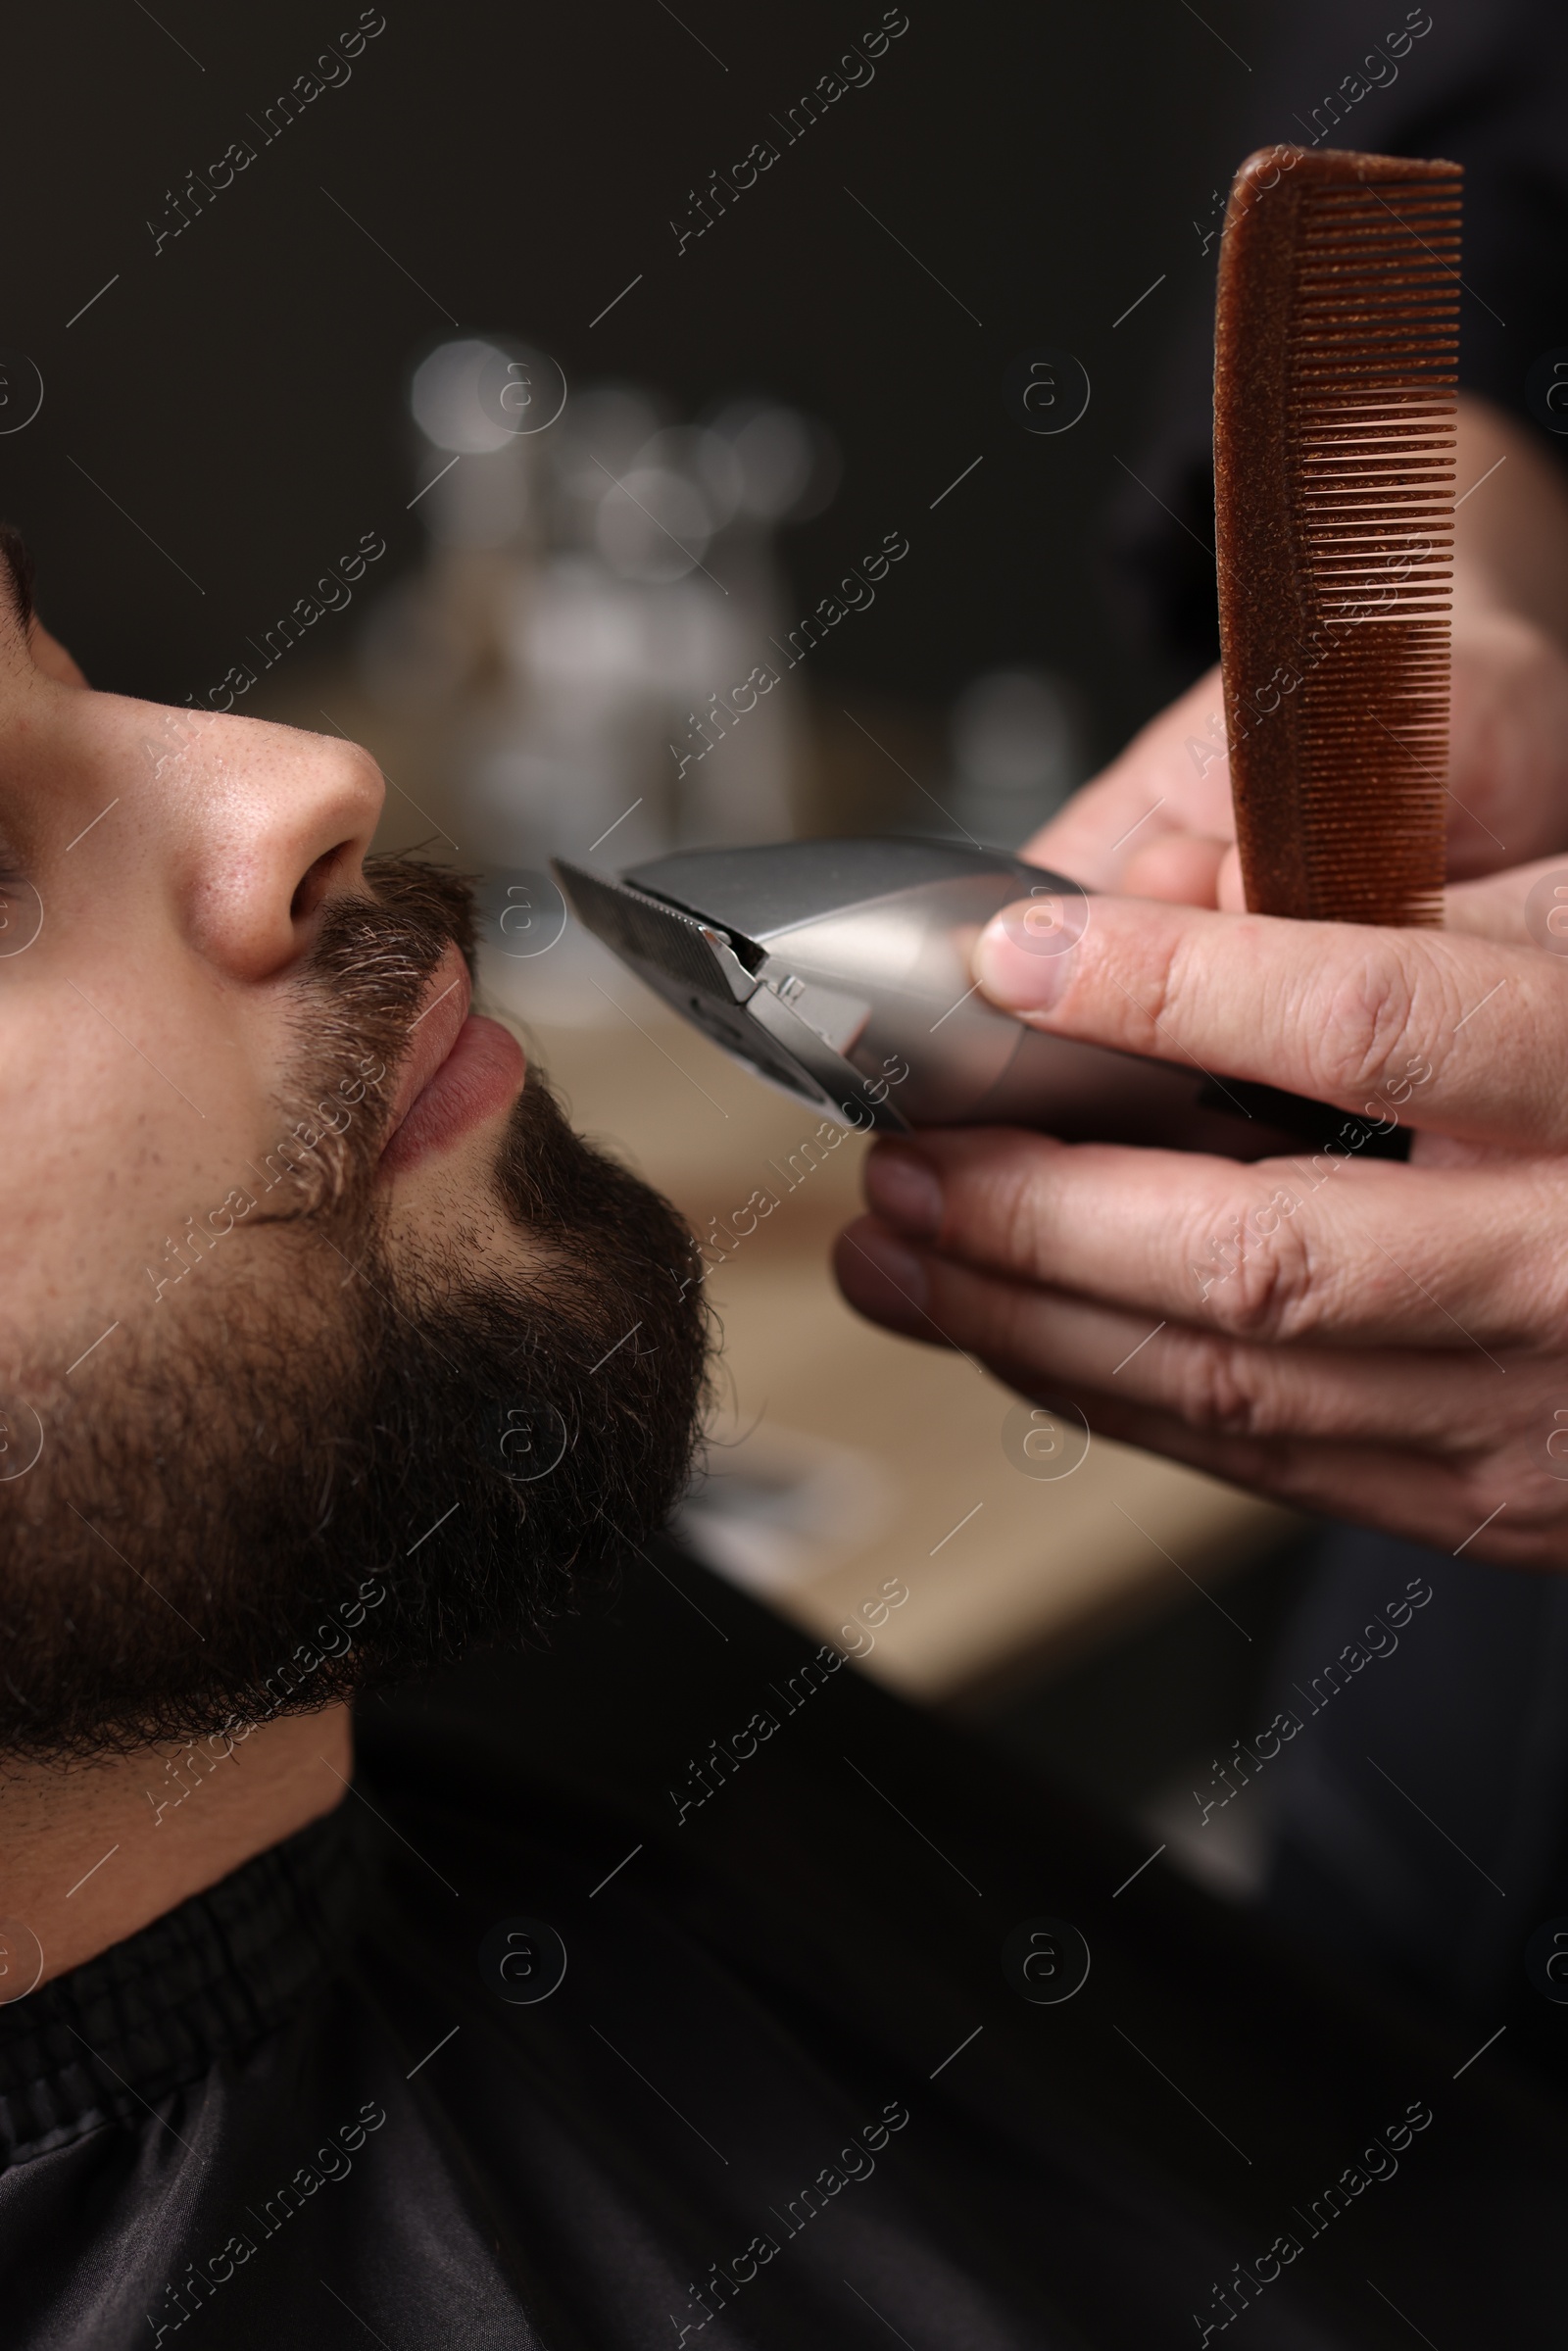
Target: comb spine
[1262, 627]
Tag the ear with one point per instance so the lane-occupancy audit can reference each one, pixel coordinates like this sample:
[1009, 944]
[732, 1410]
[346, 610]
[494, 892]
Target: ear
[51, 657]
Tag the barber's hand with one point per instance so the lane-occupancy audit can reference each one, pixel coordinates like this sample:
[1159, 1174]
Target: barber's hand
[1158, 823]
[1381, 1341]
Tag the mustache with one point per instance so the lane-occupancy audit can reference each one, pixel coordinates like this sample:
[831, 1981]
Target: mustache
[359, 992]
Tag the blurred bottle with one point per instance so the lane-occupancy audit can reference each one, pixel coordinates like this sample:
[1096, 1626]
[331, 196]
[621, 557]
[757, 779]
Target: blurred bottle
[599, 576]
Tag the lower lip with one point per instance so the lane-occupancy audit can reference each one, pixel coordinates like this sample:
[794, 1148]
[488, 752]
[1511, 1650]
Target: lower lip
[481, 1075]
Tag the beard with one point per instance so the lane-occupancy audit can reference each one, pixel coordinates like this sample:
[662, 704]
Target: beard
[328, 1462]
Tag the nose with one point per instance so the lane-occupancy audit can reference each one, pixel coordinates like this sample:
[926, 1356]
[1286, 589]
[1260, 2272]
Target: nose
[267, 821]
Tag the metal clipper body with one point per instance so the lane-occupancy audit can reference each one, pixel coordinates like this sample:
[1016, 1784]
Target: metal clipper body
[840, 970]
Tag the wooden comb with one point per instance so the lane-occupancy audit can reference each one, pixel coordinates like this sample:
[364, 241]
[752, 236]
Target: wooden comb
[1336, 345]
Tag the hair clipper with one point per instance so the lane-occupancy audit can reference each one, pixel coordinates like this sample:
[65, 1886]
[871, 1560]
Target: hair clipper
[840, 972]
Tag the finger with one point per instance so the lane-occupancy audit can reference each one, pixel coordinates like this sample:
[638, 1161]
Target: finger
[1488, 1499]
[1182, 867]
[1472, 1507]
[1507, 729]
[1425, 1402]
[1333, 1010]
[1526, 906]
[1173, 777]
[1321, 1248]
[1229, 888]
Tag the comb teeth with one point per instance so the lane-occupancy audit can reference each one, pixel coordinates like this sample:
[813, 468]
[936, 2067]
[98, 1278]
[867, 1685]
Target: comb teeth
[1335, 353]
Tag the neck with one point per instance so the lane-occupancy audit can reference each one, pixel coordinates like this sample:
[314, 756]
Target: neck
[90, 1852]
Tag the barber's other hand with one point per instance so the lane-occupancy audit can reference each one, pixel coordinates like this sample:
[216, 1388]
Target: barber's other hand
[1158, 823]
[1385, 1342]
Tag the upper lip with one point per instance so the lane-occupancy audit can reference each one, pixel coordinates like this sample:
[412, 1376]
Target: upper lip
[432, 1033]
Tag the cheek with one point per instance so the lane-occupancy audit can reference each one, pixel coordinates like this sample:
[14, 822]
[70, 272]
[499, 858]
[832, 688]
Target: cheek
[127, 1106]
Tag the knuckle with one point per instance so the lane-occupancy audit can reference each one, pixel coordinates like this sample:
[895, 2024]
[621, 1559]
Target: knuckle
[1227, 1390]
[995, 1204]
[1264, 1281]
[1013, 1215]
[1270, 1291]
[1145, 966]
[1017, 1230]
[1161, 987]
[1363, 1020]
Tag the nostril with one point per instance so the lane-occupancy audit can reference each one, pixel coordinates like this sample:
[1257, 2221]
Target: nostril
[312, 884]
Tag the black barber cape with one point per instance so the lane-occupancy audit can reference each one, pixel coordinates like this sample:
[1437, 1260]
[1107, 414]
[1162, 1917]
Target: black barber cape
[785, 2094]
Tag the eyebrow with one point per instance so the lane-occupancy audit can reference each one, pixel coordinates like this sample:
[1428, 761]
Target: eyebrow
[16, 572]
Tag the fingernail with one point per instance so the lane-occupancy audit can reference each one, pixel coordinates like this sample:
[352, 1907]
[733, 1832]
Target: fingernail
[1023, 970]
[900, 1268]
[903, 1188]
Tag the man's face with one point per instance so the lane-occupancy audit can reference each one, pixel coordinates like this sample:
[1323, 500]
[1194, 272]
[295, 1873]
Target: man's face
[306, 1290]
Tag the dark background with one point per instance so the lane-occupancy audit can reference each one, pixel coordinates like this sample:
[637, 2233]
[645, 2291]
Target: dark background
[242, 394]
